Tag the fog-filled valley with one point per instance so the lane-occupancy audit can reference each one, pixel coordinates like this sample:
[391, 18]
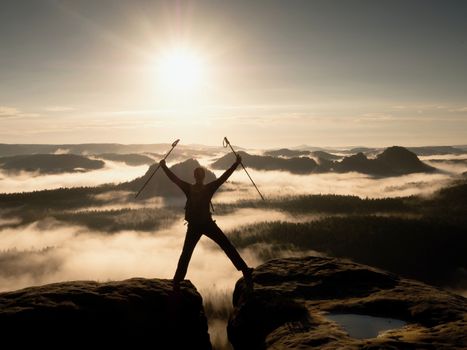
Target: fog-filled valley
[389, 208]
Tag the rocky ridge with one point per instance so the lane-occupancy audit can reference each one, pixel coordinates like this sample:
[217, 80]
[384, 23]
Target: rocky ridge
[136, 312]
[293, 297]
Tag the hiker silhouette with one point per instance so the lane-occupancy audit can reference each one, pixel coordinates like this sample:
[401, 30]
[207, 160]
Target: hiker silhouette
[199, 218]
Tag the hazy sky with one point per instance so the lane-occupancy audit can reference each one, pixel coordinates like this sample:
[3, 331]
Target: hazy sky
[271, 73]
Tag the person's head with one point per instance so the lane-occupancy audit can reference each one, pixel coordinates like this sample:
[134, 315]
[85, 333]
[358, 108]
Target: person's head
[199, 174]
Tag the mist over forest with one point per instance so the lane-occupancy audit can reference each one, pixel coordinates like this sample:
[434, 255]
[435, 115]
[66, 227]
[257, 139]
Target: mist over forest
[48, 208]
[60, 222]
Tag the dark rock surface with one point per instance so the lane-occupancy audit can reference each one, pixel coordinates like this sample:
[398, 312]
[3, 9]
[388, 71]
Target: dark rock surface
[292, 296]
[136, 312]
[357, 162]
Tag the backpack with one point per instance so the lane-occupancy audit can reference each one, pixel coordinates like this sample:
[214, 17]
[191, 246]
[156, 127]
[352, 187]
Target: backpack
[197, 205]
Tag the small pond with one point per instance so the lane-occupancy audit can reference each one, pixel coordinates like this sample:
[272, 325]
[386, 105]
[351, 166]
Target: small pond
[365, 326]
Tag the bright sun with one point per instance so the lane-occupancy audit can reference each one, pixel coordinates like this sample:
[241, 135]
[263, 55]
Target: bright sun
[180, 69]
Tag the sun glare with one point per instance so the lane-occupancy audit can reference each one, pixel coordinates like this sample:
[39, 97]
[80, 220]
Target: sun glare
[180, 69]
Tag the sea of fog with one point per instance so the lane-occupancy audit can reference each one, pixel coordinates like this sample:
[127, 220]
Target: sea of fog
[271, 183]
[113, 172]
[48, 251]
[74, 252]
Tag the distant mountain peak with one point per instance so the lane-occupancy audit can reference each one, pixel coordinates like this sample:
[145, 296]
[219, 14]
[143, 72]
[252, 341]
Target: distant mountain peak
[296, 165]
[393, 161]
[405, 160]
[397, 151]
[359, 156]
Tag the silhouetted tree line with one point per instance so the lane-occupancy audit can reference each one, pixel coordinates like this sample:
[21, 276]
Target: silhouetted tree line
[328, 203]
[65, 198]
[429, 249]
[146, 219]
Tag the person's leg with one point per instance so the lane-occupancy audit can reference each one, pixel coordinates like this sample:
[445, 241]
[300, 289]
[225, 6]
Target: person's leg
[215, 233]
[191, 239]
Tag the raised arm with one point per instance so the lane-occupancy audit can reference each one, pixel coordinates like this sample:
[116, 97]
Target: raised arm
[184, 186]
[223, 178]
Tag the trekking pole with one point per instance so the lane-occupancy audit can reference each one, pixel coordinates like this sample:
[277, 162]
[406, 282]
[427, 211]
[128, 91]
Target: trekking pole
[158, 166]
[226, 143]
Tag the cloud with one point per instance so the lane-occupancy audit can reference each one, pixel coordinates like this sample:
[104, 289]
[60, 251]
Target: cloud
[417, 107]
[429, 108]
[59, 109]
[375, 117]
[8, 111]
[460, 109]
[62, 151]
[12, 112]
[449, 165]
